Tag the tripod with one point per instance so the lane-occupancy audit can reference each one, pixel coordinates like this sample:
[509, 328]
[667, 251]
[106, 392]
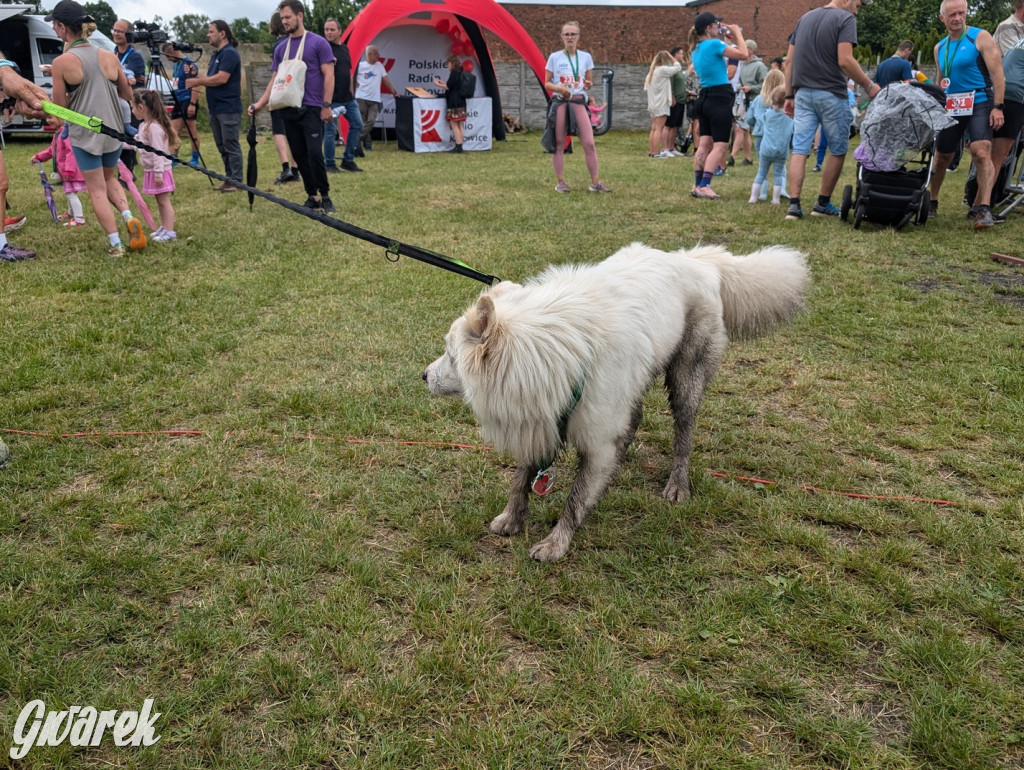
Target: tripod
[156, 67]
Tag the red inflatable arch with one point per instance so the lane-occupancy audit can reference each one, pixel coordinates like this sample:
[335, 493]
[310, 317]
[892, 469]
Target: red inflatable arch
[460, 22]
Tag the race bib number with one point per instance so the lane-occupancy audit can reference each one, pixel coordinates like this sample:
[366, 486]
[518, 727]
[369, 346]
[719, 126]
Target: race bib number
[960, 104]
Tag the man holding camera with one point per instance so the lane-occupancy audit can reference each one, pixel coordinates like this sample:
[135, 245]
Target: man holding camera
[132, 63]
[223, 82]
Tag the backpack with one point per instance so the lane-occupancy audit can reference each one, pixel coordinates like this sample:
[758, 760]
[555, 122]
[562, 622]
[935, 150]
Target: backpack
[467, 85]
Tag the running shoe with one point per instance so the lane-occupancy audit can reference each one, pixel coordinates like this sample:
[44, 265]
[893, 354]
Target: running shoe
[165, 236]
[794, 212]
[74, 223]
[11, 253]
[136, 238]
[826, 210]
[599, 187]
[117, 250]
[984, 219]
[707, 192]
[561, 187]
[13, 223]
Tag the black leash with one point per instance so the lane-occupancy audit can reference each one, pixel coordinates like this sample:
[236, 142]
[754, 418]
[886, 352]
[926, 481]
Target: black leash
[393, 248]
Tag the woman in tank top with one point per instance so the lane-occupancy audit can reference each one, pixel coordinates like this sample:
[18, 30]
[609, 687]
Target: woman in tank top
[89, 81]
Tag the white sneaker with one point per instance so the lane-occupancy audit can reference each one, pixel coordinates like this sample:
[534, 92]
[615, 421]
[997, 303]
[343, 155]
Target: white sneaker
[677, 154]
[665, 154]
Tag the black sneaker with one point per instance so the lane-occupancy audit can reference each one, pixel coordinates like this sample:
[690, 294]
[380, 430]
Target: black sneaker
[933, 209]
[358, 152]
[285, 176]
[327, 205]
[350, 165]
[332, 169]
[794, 211]
[313, 204]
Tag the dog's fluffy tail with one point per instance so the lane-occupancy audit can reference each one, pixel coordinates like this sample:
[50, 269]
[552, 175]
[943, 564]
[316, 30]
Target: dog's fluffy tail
[759, 291]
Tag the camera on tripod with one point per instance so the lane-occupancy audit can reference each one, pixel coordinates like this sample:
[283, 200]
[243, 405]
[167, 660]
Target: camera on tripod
[156, 38]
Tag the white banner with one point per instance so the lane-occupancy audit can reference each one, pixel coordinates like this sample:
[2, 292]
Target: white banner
[431, 132]
[414, 54]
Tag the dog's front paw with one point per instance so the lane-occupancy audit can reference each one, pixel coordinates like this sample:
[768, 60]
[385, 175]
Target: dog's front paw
[549, 549]
[675, 492]
[506, 524]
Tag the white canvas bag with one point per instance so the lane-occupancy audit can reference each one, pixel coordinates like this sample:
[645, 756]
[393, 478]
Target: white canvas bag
[290, 82]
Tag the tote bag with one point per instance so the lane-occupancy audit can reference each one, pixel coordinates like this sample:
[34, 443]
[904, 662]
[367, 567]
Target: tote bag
[290, 84]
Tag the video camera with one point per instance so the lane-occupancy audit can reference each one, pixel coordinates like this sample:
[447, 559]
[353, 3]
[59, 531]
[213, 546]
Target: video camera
[156, 38]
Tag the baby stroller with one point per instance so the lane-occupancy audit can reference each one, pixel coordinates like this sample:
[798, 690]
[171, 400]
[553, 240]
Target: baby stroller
[895, 156]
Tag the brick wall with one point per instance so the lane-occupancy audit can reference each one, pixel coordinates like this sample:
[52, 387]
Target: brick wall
[615, 35]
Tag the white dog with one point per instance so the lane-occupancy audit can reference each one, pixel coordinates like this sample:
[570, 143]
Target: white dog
[568, 356]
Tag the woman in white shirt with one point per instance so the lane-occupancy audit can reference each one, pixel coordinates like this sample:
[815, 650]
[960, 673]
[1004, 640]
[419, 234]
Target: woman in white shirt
[568, 75]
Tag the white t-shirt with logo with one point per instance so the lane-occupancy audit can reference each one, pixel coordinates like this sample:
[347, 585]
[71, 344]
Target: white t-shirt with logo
[566, 71]
[368, 80]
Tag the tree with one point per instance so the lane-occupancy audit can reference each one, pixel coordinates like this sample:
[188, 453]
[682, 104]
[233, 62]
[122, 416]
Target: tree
[245, 32]
[190, 27]
[104, 14]
[322, 10]
[881, 26]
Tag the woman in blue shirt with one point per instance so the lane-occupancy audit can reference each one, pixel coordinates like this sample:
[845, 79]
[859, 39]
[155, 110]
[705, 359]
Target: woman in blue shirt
[713, 109]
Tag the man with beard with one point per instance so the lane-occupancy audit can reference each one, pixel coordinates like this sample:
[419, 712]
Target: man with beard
[342, 98]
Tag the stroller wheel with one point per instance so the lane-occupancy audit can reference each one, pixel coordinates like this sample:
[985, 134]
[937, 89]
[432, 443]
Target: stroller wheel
[844, 210]
[858, 215]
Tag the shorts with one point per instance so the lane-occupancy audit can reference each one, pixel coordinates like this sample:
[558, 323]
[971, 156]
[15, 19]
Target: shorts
[1013, 119]
[814, 106]
[714, 111]
[974, 125]
[276, 122]
[455, 114]
[676, 115]
[176, 111]
[88, 162]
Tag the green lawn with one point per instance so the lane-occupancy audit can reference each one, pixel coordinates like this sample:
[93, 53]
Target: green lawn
[308, 580]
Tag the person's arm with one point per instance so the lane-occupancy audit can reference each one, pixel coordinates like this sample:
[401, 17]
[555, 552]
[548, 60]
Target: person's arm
[327, 69]
[738, 50]
[210, 81]
[553, 87]
[386, 82]
[262, 101]
[59, 88]
[588, 79]
[787, 70]
[851, 68]
[994, 62]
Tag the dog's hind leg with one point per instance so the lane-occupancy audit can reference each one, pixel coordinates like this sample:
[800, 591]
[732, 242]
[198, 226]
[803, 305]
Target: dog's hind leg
[592, 478]
[686, 378]
[510, 521]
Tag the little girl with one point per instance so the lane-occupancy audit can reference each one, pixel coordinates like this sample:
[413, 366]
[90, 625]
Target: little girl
[775, 143]
[67, 167]
[659, 101]
[158, 179]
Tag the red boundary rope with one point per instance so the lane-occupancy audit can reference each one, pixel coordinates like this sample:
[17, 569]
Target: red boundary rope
[452, 445]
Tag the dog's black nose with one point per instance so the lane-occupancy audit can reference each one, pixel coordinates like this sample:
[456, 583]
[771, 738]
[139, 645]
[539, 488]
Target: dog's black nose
[424, 375]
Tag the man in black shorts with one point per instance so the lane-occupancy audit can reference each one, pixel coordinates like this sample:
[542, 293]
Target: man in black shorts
[971, 74]
[1004, 138]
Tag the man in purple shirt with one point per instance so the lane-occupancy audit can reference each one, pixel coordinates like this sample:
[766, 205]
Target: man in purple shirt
[304, 125]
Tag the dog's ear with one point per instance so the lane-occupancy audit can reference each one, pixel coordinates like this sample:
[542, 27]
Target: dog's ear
[484, 320]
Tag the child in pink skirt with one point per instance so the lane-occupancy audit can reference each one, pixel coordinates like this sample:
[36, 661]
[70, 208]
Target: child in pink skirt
[158, 179]
[67, 167]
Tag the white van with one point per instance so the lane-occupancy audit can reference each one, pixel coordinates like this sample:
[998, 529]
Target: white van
[30, 43]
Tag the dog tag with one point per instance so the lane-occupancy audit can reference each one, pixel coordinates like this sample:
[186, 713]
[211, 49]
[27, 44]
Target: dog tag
[545, 480]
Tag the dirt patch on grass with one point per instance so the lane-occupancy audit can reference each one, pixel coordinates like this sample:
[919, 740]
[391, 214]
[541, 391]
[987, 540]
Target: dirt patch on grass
[1007, 287]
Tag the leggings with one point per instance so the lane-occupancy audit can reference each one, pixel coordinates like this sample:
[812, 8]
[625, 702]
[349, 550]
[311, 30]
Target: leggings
[586, 134]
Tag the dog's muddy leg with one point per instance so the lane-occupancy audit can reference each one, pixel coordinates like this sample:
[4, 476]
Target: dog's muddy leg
[686, 379]
[510, 521]
[592, 478]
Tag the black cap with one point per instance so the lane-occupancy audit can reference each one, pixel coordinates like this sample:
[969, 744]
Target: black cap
[68, 12]
[701, 23]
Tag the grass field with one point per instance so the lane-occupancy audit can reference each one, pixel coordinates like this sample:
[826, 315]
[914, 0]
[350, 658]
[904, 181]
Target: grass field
[292, 560]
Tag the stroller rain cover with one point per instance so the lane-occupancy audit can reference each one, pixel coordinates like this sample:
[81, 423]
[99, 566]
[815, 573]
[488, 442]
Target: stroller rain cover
[900, 123]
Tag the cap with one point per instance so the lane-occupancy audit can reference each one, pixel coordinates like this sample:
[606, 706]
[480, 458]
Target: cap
[68, 12]
[701, 23]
